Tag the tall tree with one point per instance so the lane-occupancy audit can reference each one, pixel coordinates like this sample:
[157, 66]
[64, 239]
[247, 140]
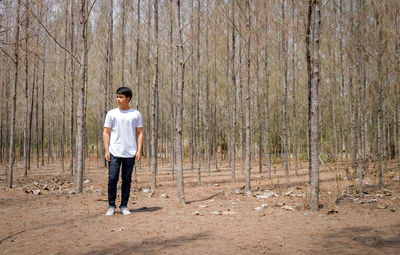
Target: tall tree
[314, 196]
[81, 118]
[234, 92]
[198, 117]
[72, 88]
[11, 157]
[285, 89]
[123, 38]
[154, 126]
[380, 51]
[247, 95]
[26, 131]
[179, 104]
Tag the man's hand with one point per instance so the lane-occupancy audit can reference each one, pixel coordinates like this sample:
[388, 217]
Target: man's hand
[138, 156]
[106, 141]
[107, 156]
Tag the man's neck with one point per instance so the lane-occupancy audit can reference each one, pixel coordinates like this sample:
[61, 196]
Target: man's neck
[124, 108]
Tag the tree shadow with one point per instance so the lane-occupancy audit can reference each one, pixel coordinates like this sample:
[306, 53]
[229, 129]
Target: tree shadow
[151, 245]
[362, 240]
[203, 199]
[55, 224]
[146, 209]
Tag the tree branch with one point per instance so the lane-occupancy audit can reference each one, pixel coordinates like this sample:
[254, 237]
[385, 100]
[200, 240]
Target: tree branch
[52, 37]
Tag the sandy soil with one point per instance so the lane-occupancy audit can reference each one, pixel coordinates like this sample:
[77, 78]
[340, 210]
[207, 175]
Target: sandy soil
[217, 219]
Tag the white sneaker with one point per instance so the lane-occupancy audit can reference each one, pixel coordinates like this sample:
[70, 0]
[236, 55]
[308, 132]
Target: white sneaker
[125, 211]
[110, 211]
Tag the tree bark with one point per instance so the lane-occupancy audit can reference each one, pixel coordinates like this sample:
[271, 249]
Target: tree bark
[171, 56]
[123, 38]
[154, 126]
[198, 117]
[285, 88]
[314, 196]
[234, 94]
[294, 88]
[72, 88]
[81, 118]
[14, 100]
[247, 97]
[26, 131]
[179, 105]
[309, 74]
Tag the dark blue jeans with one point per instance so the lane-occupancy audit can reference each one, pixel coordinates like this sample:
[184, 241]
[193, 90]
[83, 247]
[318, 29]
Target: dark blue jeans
[113, 175]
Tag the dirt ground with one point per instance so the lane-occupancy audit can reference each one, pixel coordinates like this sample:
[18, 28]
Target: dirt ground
[217, 219]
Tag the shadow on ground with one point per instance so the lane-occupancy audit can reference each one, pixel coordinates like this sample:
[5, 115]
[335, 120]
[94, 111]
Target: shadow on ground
[146, 209]
[151, 245]
[361, 240]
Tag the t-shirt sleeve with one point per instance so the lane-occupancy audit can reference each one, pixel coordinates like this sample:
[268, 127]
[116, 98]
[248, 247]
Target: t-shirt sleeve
[108, 121]
[139, 121]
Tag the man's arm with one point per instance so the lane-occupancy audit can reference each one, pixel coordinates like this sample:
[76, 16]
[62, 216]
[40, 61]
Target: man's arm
[106, 142]
[139, 139]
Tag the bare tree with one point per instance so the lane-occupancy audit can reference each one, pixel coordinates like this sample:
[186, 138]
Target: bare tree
[179, 104]
[198, 117]
[314, 196]
[234, 92]
[26, 131]
[14, 99]
[285, 88]
[123, 37]
[72, 88]
[247, 95]
[154, 126]
[81, 118]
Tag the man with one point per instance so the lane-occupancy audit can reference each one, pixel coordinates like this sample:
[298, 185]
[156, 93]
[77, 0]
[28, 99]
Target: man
[123, 140]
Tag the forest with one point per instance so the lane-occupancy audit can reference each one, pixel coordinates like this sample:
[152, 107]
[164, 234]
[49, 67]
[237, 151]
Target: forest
[216, 81]
[294, 104]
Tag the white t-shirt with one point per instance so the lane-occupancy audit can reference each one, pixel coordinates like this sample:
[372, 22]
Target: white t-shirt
[123, 126]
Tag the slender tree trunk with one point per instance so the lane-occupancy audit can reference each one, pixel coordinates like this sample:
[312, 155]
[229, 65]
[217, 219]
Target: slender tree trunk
[42, 104]
[154, 126]
[247, 97]
[359, 98]
[198, 117]
[123, 37]
[138, 72]
[294, 89]
[285, 88]
[380, 97]
[179, 105]
[72, 88]
[215, 123]
[171, 71]
[192, 109]
[266, 96]
[258, 90]
[80, 136]
[26, 131]
[398, 82]
[14, 100]
[314, 196]
[62, 140]
[207, 115]
[148, 76]
[309, 72]
[234, 94]
[3, 88]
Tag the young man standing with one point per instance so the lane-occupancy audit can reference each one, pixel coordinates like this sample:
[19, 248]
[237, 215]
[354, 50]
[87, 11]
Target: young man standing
[123, 140]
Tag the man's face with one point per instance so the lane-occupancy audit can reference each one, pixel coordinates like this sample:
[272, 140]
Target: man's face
[122, 99]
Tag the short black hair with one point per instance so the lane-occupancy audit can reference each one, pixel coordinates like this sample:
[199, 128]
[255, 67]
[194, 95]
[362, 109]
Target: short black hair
[125, 91]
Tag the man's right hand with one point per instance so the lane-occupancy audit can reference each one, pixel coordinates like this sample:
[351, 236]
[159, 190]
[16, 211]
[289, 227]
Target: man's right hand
[107, 156]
